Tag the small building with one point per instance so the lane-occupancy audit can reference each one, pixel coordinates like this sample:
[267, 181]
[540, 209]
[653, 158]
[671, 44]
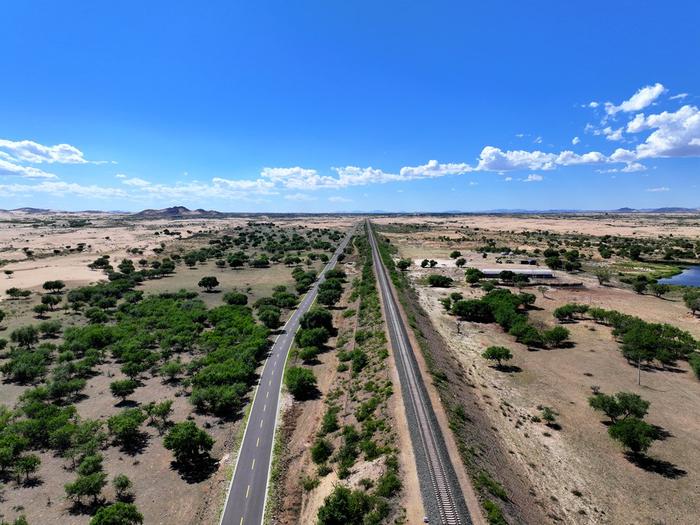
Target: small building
[533, 274]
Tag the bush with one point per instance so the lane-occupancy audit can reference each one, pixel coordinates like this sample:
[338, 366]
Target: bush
[300, 382]
[118, 513]
[344, 506]
[308, 353]
[122, 485]
[321, 450]
[312, 337]
[317, 318]
[473, 310]
[439, 281]
[473, 275]
[236, 298]
[622, 405]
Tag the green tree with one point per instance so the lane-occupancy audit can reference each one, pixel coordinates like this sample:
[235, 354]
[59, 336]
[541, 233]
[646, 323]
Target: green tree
[691, 298]
[473, 275]
[556, 336]
[124, 426]
[317, 317]
[26, 466]
[329, 297]
[634, 434]
[171, 370]
[403, 264]
[269, 315]
[83, 486]
[123, 388]
[622, 405]
[460, 262]
[118, 513]
[208, 283]
[300, 382]
[659, 289]
[312, 337]
[51, 301]
[26, 336]
[189, 443]
[454, 254]
[497, 353]
[639, 286]
[604, 275]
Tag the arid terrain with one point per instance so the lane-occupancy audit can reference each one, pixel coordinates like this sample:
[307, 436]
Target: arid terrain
[352, 431]
[575, 472]
[39, 248]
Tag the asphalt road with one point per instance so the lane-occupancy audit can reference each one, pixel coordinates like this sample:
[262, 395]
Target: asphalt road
[442, 496]
[245, 504]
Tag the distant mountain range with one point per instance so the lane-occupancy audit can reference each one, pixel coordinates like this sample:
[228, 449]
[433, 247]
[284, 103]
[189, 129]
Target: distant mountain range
[177, 212]
[182, 212]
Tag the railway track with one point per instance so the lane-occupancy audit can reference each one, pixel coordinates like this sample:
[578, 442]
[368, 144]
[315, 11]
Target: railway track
[440, 489]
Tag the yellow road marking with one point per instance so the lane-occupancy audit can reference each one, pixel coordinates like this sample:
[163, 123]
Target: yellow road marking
[261, 423]
[241, 522]
[264, 407]
[267, 394]
[253, 465]
[247, 491]
[257, 443]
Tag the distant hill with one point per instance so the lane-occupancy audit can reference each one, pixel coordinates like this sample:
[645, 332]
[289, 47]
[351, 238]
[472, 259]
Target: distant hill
[31, 210]
[177, 212]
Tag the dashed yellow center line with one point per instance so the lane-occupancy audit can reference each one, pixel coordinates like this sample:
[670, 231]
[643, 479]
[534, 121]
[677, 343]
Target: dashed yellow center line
[267, 394]
[241, 522]
[247, 491]
[264, 407]
[261, 423]
[252, 467]
[257, 443]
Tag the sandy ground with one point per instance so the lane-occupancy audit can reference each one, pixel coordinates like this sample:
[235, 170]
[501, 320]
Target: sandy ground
[150, 469]
[640, 225]
[579, 474]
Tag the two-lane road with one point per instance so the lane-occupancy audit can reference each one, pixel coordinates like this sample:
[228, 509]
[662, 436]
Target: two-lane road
[245, 504]
[442, 496]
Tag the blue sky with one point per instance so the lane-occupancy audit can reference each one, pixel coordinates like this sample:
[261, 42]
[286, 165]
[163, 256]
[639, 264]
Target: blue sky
[330, 106]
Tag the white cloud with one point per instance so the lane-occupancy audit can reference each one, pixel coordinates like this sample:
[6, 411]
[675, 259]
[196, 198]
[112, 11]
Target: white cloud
[120, 176]
[613, 134]
[337, 198]
[538, 140]
[473, 183]
[135, 181]
[679, 96]
[299, 197]
[508, 179]
[534, 177]
[660, 189]
[593, 104]
[27, 172]
[35, 153]
[675, 134]
[60, 188]
[575, 140]
[640, 100]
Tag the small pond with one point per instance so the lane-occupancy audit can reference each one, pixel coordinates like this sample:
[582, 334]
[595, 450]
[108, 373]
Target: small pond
[689, 277]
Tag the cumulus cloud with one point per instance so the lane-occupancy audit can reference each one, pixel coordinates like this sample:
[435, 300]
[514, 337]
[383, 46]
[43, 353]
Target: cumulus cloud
[679, 96]
[575, 140]
[674, 134]
[35, 153]
[8, 168]
[60, 189]
[641, 99]
[534, 177]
